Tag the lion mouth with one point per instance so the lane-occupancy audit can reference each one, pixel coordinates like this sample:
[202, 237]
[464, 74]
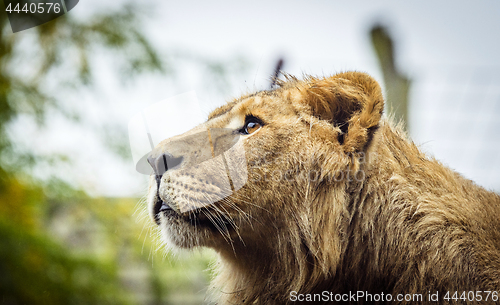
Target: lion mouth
[161, 207]
[201, 217]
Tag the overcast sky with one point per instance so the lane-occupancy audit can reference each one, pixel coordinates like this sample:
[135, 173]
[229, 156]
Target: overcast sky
[449, 48]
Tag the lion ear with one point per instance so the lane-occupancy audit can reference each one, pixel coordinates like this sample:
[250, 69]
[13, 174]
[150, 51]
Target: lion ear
[351, 101]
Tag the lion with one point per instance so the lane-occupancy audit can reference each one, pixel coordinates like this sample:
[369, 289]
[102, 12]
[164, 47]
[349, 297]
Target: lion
[309, 194]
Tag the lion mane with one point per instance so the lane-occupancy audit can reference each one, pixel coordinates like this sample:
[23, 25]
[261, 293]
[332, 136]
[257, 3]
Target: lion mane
[335, 199]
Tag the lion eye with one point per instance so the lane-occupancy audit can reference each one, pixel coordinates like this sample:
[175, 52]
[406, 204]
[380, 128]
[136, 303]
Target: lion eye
[251, 126]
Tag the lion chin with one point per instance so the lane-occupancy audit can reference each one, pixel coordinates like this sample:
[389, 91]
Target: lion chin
[308, 193]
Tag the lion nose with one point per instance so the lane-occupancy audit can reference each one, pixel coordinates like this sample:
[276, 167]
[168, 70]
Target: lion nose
[163, 163]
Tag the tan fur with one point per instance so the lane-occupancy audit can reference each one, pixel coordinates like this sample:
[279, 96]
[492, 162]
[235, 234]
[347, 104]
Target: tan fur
[339, 200]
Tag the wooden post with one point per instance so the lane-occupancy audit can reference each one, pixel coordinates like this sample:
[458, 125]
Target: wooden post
[397, 85]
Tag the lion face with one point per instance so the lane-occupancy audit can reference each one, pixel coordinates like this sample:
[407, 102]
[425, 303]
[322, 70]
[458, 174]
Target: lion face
[258, 162]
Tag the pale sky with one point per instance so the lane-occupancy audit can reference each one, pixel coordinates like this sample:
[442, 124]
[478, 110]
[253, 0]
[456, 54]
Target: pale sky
[449, 48]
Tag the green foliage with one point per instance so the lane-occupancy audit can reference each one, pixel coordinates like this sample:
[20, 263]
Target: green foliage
[37, 63]
[36, 270]
[58, 245]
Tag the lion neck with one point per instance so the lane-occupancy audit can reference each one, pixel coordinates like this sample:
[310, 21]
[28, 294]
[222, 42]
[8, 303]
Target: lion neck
[285, 257]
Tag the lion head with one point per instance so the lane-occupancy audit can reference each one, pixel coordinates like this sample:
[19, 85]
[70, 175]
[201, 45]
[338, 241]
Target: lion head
[265, 181]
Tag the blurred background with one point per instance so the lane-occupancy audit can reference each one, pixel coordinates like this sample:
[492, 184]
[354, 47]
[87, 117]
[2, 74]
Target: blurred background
[73, 226]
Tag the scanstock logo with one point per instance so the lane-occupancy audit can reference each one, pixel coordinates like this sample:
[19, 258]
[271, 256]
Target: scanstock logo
[24, 15]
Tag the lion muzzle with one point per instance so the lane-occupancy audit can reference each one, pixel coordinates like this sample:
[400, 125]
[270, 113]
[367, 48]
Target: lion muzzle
[193, 171]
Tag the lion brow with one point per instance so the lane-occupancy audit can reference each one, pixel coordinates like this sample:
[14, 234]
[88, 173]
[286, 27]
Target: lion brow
[222, 110]
[227, 107]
